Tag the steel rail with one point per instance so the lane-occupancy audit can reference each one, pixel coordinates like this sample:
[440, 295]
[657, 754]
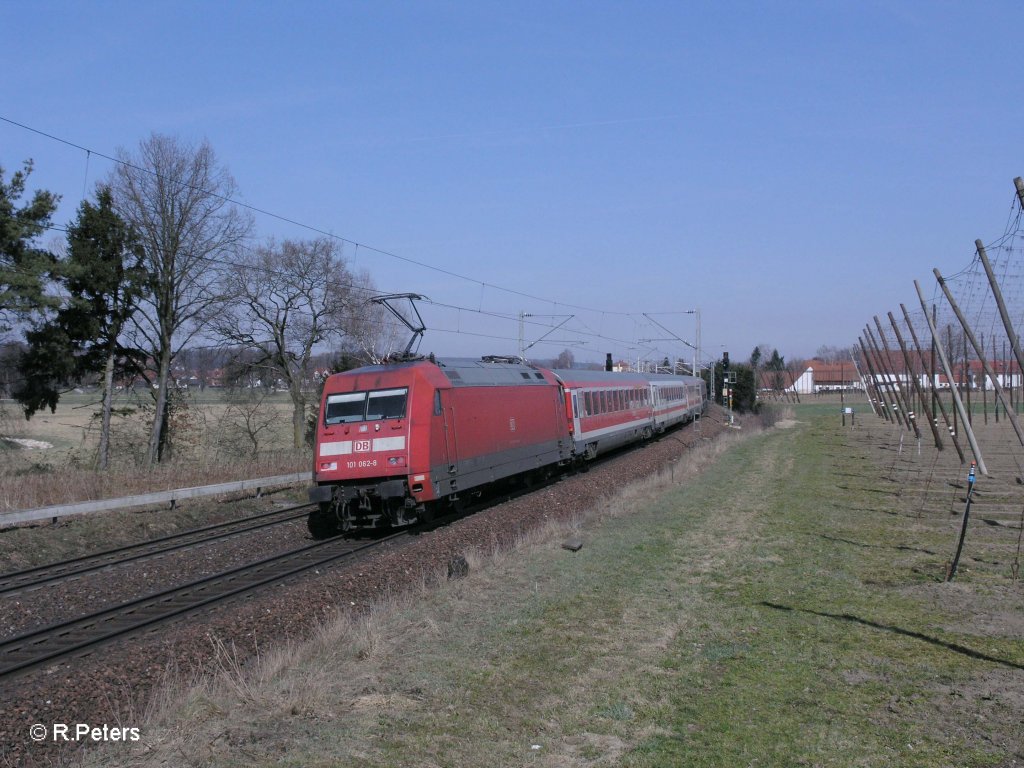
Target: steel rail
[30, 578]
[47, 644]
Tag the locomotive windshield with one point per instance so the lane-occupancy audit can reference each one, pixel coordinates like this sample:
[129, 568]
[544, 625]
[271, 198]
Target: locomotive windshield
[386, 404]
[366, 406]
[345, 408]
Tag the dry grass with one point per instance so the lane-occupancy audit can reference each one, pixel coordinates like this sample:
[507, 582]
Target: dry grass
[36, 487]
[211, 445]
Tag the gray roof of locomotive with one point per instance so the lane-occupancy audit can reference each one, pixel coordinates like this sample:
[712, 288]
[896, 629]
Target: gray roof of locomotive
[469, 372]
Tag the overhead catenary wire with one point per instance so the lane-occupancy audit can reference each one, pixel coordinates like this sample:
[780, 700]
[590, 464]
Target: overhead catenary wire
[373, 292]
[484, 285]
[302, 225]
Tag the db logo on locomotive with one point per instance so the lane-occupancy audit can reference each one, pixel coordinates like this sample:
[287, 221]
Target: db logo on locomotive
[361, 446]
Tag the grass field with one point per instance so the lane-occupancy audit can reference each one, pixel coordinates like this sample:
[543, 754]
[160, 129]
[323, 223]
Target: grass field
[780, 607]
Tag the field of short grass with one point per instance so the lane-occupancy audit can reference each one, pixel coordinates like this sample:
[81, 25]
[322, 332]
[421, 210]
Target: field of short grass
[753, 607]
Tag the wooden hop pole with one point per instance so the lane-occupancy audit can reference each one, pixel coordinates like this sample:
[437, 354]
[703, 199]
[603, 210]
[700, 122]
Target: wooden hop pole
[981, 353]
[917, 386]
[936, 400]
[900, 389]
[1011, 334]
[874, 380]
[975, 449]
[886, 377]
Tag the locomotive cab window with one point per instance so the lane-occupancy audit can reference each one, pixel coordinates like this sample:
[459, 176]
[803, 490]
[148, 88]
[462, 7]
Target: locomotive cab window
[386, 404]
[366, 406]
[342, 409]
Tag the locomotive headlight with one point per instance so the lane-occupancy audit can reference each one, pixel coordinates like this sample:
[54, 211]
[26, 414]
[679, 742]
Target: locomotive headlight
[328, 466]
[396, 461]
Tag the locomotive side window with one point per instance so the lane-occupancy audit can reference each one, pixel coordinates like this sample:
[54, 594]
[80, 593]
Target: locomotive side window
[342, 409]
[386, 404]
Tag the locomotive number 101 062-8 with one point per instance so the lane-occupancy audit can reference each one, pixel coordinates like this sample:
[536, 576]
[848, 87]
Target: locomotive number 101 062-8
[362, 463]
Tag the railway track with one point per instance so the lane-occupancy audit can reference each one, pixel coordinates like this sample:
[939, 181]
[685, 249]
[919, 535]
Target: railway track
[80, 635]
[77, 636]
[31, 578]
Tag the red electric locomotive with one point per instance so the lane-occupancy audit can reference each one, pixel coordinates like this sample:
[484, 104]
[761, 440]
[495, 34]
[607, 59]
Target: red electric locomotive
[394, 440]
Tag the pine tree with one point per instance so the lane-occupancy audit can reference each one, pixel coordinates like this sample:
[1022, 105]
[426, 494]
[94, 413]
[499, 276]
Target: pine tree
[102, 279]
[23, 265]
[776, 364]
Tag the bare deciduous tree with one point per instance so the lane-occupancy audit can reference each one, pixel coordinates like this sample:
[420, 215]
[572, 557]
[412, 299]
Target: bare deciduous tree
[176, 197]
[285, 300]
[247, 420]
[828, 353]
[372, 333]
[565, 359]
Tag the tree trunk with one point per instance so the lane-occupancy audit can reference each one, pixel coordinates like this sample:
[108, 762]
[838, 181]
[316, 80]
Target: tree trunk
[156, 437]
[298, 416]
[108, 406]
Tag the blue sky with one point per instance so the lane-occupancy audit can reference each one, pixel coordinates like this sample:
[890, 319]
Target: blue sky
[787, 167]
